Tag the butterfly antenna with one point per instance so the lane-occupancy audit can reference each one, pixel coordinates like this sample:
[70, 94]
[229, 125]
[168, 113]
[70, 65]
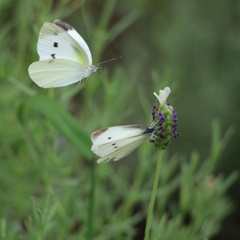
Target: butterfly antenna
[112, 59]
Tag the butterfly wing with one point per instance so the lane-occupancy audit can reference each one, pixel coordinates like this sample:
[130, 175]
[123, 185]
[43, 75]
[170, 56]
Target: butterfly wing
[55, 43]
[125, 150]
[117, 142]
[55, 72]
[74, 34]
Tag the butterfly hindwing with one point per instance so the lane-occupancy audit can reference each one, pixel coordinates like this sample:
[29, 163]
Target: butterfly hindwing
[123, 149]
[55, 72]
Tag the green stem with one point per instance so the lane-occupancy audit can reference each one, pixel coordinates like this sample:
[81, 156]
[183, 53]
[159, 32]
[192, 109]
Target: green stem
[153, 197]
[90, 225]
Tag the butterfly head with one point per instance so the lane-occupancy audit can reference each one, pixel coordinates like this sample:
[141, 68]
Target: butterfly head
[98, 69]
[94, 68]
[149, 129]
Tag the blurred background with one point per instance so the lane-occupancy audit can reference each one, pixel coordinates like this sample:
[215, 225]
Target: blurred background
[50, 184]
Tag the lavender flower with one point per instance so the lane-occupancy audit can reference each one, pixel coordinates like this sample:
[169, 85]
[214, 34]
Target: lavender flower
[165, 121]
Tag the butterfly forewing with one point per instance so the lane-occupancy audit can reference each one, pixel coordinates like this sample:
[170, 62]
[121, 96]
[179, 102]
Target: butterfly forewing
[107, 135]
[74, 34]
[117, 142]
[55, 43]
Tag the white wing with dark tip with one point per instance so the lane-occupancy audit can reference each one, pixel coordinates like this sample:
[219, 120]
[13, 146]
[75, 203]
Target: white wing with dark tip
[74, 34]
[55, 42]
[117, 142]
[64, 57]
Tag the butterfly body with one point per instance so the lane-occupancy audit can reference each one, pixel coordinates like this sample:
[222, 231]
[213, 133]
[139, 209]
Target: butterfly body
[117, 142]
[64, 57]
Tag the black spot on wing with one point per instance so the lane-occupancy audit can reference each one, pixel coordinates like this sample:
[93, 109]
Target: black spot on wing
[53, 55]
[114, 145]
[55, 44]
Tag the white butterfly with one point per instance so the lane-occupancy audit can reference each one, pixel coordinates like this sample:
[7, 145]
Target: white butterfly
[114, 143]
[65, 57]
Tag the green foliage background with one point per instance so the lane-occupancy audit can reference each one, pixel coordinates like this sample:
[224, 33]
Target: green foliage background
[50, 185]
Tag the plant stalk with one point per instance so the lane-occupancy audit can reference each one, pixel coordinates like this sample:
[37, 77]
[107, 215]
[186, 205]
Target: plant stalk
[90, 224]
[153, 196]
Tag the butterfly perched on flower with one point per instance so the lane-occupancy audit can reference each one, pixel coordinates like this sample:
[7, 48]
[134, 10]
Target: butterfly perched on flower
[114, 143]
[64, 57]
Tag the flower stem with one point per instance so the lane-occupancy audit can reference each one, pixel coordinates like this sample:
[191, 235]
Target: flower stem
[153, 197]
[90, 224]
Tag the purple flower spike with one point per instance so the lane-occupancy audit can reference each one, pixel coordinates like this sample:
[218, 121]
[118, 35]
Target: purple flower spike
[154, 108]
[161, 129]
[161, 136]
[161, 118]
[154, 111]
[165, 121]
[175, 119]
[176, 135]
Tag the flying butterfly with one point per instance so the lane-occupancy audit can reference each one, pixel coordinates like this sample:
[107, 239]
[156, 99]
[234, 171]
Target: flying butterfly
[114, 143]
[65, 57]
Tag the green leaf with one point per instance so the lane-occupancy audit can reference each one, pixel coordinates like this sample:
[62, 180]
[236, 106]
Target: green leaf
[61, 120]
